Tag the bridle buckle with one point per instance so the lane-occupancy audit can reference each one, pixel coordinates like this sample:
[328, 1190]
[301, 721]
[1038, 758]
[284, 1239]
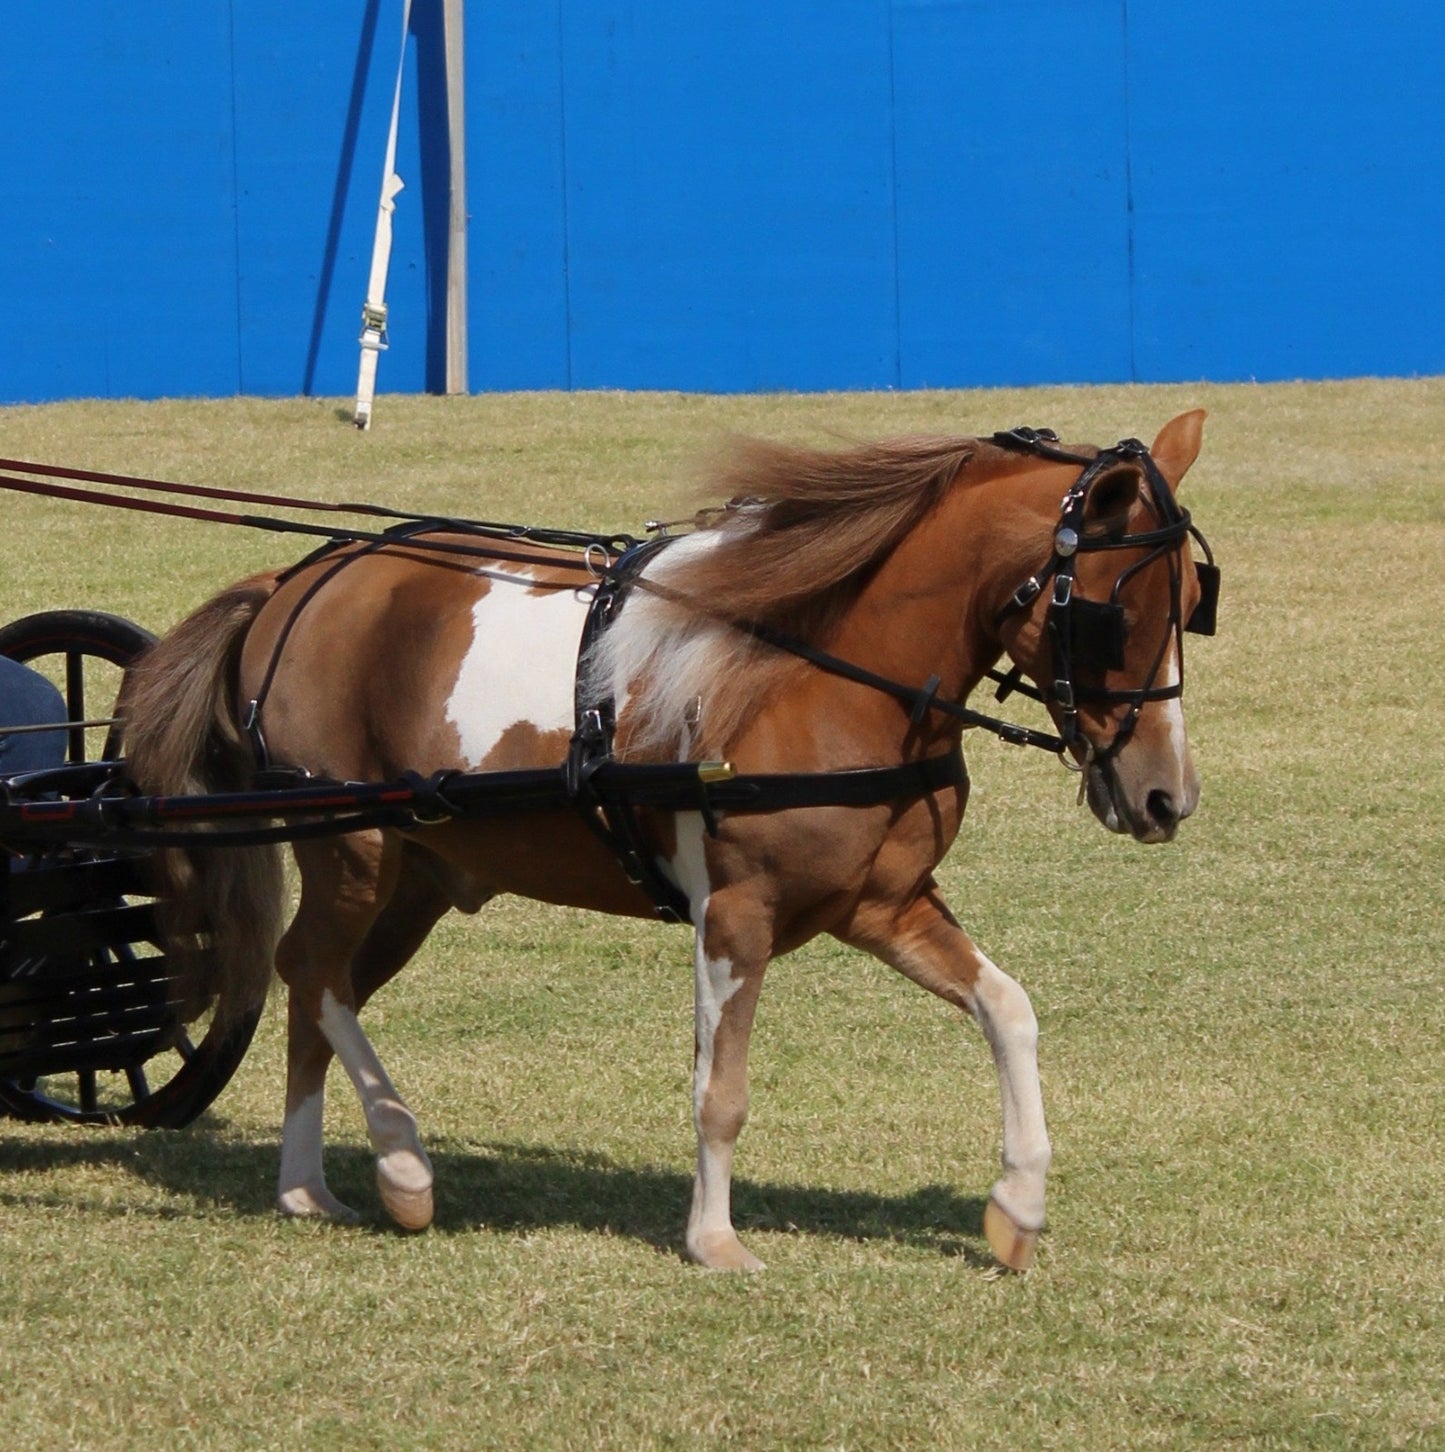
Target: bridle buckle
[1026, 593]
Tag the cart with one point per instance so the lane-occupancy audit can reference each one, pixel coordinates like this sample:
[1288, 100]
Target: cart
[91, 1030]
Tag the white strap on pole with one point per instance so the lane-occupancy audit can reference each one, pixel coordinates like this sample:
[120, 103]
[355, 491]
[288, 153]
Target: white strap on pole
[373, 311]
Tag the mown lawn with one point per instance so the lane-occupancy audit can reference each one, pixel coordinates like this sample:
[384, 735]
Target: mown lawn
[1243, 1034]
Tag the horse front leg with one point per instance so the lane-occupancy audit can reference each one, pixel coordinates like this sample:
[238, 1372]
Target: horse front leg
[926, 944]
[727, 982]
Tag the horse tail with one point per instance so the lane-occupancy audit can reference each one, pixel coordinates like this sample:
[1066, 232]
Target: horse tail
[219, 908]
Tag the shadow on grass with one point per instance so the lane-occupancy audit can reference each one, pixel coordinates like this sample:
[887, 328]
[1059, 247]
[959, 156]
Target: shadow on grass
[508, 1188]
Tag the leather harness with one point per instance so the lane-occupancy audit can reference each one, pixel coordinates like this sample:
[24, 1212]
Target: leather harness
[1085, 634]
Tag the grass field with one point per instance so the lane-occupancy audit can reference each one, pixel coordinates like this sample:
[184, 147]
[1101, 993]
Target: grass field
[1243, 1034]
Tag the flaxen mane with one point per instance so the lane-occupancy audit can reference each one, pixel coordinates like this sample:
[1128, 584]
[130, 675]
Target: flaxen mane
[804, 531]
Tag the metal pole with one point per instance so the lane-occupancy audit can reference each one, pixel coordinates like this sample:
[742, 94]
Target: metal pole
[456, 343]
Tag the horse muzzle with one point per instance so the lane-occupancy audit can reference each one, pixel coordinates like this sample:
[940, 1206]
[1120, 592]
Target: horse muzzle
[1149, 811]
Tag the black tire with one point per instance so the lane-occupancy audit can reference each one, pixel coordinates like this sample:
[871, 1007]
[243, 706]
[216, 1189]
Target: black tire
[86, 653]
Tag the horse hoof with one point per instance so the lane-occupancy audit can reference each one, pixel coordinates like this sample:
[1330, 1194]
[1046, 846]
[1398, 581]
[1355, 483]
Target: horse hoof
[404, 1180]
[723, 1253]
[410, 1209]
[1012, 1245]
[306, 1203]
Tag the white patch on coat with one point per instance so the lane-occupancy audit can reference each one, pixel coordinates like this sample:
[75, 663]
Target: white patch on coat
[521, 665]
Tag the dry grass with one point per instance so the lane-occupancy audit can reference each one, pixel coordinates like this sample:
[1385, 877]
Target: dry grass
[1243, 1034]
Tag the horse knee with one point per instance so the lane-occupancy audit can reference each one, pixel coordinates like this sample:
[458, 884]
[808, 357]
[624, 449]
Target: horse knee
[1004, 1010]
[721, 1112]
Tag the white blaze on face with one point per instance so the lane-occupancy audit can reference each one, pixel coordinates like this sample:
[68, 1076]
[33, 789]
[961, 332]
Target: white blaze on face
[1174, 707]
[521, 664]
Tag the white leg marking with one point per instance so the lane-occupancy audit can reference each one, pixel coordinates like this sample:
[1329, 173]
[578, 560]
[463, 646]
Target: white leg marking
[688, 867]
[302, 1186]
[710, 1234]
[710, 1222]
[403, 1172]
[528, 641]
[1007, 1019]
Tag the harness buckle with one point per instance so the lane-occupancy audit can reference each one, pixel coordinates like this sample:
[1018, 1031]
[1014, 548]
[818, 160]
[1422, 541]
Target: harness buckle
[1063, 590]
[1026, 593]
[1064, 696]
[373, 326]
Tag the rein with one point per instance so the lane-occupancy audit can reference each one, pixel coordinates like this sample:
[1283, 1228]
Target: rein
[1086, 631]
[406, 524]
[1083, 632]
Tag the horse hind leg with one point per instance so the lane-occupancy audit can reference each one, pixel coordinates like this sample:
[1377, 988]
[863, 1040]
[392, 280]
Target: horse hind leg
[363, 914]
[403, 1171]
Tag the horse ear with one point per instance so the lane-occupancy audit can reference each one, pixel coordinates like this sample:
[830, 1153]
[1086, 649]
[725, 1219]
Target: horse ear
[1177, 446]
[1112, 496]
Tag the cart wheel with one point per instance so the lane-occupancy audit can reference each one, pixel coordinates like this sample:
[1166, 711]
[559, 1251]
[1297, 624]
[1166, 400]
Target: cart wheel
[85, 653]
[166, 1091]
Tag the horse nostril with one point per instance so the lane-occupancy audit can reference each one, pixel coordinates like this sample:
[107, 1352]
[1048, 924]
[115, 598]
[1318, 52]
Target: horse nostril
[1160, 806]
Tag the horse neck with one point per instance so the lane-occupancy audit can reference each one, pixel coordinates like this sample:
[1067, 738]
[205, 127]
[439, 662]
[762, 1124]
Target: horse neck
[931, 609]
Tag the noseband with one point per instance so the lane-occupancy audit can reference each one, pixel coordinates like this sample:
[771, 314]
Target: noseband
[1090, 634]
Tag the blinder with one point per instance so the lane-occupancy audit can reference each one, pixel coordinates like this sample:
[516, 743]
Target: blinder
[1097, 629]
[1204, 616]
[1096, 634]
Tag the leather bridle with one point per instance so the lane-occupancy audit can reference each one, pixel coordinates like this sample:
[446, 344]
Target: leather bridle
[1090, 634]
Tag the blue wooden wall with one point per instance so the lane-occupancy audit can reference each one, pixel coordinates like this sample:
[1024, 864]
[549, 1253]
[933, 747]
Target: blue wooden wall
[725, 194]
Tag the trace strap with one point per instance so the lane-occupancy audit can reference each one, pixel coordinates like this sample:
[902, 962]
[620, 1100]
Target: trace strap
[315, 807]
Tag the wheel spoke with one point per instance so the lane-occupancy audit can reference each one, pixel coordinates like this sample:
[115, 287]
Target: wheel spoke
[135, 1076]
[75, 701]
[89, 1101]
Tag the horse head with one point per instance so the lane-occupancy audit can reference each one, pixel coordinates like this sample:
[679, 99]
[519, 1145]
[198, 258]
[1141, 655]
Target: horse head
[1100, 630]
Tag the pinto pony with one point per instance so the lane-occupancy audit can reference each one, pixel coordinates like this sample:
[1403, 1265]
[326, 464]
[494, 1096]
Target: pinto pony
[829, 624]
